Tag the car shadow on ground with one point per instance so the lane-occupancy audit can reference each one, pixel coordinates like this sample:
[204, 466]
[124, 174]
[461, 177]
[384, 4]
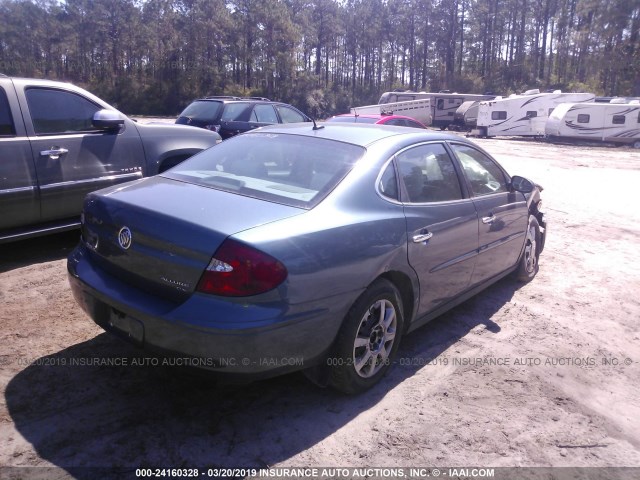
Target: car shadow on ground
[37, 250]
[77, 412]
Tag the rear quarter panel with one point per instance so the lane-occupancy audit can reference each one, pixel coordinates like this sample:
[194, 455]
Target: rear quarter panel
[164, 142]
[337, 249]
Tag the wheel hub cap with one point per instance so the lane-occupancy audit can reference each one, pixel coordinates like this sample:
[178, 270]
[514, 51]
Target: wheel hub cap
[375, 339]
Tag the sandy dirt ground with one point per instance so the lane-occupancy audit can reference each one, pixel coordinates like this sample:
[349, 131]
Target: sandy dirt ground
[538, 374]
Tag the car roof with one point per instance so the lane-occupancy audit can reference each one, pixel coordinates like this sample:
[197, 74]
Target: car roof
[355, 133]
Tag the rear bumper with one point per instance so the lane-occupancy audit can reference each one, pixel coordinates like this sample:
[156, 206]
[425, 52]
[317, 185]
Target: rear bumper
[249, 339]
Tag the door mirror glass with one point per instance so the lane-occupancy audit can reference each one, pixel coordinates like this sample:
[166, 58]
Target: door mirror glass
[521, 184]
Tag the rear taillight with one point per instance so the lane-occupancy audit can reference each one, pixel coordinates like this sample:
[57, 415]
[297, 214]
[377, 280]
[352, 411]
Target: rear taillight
[237, 270]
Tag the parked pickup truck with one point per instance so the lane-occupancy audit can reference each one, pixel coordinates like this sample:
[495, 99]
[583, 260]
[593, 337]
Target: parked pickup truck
[58, 142]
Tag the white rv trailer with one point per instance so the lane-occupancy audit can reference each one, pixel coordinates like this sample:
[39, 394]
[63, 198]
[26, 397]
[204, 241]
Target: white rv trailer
[522, 115]
[466, 116]
[616, 122]
[443, 104]
[418, 109]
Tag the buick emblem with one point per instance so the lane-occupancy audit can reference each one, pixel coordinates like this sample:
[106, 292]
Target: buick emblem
[124, 238]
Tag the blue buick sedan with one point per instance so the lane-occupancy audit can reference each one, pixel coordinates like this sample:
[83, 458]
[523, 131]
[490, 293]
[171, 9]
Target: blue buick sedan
[302, 246]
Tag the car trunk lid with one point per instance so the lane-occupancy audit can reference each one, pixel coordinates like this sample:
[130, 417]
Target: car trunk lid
[159, 234]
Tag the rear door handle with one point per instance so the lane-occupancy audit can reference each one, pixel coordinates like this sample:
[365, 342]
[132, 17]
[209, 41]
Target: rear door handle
[423, 237]
[54, 153]
[490, 219]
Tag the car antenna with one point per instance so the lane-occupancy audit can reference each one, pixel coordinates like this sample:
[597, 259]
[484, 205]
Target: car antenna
[315, 125]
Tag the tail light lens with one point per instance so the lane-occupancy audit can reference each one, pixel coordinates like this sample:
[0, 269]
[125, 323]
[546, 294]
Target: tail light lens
[237, 270]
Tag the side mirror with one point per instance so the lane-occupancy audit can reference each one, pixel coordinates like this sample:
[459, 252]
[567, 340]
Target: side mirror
[521, 184]
[107, 120]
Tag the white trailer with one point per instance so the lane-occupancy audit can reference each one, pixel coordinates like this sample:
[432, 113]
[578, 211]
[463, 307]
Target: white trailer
[418, 109]
[522, 115]
[443, 104]
[466, 116]
[616, 122]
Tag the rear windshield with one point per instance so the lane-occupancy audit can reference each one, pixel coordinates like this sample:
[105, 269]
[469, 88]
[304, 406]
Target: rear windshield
[353, 119]
[289, 169]
[202, 110]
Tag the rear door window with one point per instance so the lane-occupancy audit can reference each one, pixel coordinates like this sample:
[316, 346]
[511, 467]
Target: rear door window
[236, 112]
[428, 174]
[264, 114]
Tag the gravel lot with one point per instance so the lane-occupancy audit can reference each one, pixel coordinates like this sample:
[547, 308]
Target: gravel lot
[542, 374]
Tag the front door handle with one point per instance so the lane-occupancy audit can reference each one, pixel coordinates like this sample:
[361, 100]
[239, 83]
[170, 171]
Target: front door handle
[490, 219]
[54, 153]
[423, 237]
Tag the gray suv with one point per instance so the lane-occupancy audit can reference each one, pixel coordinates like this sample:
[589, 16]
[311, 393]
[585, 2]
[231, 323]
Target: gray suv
[59, 142]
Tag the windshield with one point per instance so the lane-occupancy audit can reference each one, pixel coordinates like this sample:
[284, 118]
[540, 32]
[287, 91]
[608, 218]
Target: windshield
[202, 110]
[293, 170]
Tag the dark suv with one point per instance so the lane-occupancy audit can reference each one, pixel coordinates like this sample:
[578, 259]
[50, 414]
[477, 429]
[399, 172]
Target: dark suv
[230, 116]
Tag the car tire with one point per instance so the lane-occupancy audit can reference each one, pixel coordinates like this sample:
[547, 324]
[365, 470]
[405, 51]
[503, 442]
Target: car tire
[528, 263]
[368, 339]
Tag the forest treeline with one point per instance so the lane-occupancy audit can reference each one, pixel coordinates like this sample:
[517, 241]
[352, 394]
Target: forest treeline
[155, 56]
